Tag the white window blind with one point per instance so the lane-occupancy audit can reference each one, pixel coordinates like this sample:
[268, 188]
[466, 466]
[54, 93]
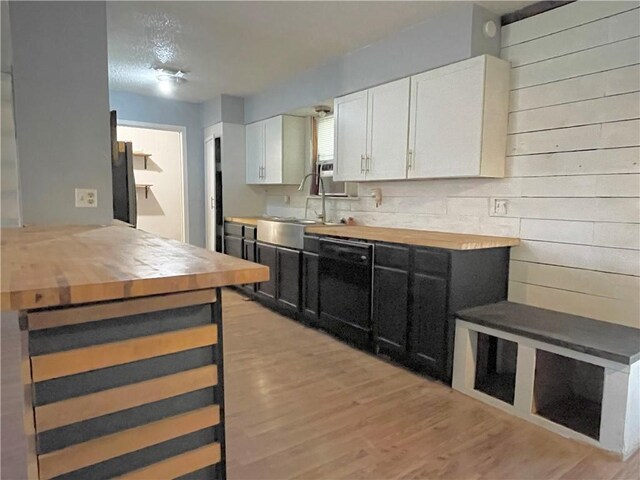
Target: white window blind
[325, 138]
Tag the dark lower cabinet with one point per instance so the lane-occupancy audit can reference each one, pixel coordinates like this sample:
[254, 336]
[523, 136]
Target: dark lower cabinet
[233, 246]
[250, 255]
[266, 255]
[288, 277]
[416, 292]
[427, 348]
[310, 296]
[390, 307]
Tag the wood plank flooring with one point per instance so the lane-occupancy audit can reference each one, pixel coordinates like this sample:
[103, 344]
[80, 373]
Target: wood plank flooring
[301, 405]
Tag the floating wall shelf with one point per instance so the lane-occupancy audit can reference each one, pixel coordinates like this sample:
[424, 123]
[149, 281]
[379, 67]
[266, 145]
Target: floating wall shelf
[145, 156]
[146, 187]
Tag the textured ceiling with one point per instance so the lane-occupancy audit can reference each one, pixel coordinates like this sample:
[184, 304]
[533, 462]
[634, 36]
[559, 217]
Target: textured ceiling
[240, 48]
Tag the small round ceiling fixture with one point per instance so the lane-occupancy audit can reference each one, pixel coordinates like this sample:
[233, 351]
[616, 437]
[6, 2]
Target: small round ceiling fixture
[490, 29]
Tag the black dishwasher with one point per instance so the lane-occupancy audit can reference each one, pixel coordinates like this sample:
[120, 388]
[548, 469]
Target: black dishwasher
[345, 272]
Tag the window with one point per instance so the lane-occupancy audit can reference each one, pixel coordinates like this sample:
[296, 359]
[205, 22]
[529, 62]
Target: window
[325, 138]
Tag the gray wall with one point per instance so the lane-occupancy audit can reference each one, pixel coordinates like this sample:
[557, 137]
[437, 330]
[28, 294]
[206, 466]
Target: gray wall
[446, 38]
[61, 109]
[163, 111]
[223, 108]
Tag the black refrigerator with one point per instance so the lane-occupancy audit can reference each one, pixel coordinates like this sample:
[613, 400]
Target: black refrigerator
[123, 180]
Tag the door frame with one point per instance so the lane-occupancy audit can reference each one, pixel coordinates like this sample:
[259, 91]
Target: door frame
[183, 165]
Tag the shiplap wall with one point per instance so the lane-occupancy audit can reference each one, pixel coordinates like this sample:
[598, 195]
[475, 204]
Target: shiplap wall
[573, 167]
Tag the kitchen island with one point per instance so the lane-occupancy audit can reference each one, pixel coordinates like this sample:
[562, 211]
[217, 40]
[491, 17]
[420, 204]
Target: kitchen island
[122, 366]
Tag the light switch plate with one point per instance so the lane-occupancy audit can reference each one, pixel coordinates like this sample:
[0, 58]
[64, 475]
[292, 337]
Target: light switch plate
[499, 207]
[86, 197]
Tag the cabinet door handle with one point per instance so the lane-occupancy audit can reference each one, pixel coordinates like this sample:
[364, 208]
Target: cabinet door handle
[362, 163]
[410, 159]
[368, 162]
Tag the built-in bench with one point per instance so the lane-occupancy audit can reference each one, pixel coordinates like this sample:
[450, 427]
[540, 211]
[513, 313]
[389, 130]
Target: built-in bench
[577, 376]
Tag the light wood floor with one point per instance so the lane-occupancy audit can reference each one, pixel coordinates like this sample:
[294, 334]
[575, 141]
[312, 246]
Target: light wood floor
[301, 405]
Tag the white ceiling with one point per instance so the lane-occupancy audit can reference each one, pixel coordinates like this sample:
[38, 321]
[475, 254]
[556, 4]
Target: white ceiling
[240, 48]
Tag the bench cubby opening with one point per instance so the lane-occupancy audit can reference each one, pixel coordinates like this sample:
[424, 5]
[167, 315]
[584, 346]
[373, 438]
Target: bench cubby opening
[496, 362]
[568, 392]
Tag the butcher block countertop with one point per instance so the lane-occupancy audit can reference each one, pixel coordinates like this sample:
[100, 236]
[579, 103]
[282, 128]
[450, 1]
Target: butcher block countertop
[53, 266]
[245, 220]
[423, 238]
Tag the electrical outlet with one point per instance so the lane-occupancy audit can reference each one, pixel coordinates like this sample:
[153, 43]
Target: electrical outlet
[86, 197]
[499, 207]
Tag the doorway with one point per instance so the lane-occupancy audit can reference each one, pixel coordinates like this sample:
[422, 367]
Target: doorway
[214, 217]
[160, 176]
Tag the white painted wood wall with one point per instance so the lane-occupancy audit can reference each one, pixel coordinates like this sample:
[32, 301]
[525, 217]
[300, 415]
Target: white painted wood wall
[573, 167]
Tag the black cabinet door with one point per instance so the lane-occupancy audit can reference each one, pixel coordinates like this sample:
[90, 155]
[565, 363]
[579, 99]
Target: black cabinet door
[427, 339]
[266, 255]
[310, 285]
[233, 246]
[288, 277]
[250, 255]
[390, 309]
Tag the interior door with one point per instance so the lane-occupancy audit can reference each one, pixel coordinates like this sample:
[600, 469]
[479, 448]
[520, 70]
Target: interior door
[272, 172]
[445, 132]
[388, 130]
[350, 113]
[255, 152]
[210, 207]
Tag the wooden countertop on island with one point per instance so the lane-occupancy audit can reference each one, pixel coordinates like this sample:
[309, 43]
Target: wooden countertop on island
[422, 238]
[65, 265]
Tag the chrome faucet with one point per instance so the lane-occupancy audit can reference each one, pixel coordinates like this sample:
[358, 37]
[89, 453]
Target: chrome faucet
[323, 215]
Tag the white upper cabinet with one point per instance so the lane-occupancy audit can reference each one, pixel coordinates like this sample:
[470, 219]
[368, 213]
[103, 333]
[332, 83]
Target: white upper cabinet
[388, 107]
[254, 151]
[275, 150]
[371, 133]
[350, 117]
[448, 122]
[458, 120]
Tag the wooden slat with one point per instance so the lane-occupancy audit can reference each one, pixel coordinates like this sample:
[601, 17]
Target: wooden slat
[76, 409]
[92, 313]
[70, 362]
[602, 259]
[563, 18]
[110, 446]
[607, 135]
[179, 465]
[587, 112]
[598, 59]
[603, 31]
[586, 87]
[585, 162]
[621, 312]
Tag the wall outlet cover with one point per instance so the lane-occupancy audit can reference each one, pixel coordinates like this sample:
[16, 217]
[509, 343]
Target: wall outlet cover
[86, 198]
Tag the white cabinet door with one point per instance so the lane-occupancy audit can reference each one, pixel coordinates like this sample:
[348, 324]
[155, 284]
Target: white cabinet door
[255, 152]
[273, 150]
[446, 115]
[388, 129]
[350, 114]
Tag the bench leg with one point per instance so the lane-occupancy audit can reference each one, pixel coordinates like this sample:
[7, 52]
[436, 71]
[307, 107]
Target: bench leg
[464, 359]
[620, 420]
[525, 377]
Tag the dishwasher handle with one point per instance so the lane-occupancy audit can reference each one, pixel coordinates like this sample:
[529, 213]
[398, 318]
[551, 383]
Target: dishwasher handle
[350, 252]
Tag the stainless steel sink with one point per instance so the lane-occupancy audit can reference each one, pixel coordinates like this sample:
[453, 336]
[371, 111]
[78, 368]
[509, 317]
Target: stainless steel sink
[286, 232]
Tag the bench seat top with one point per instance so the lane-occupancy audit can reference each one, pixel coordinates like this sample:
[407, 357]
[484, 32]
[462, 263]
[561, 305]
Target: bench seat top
[618, 343]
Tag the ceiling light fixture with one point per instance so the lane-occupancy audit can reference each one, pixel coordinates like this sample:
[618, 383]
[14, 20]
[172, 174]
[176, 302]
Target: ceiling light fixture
[168, 78]
[322, 110]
